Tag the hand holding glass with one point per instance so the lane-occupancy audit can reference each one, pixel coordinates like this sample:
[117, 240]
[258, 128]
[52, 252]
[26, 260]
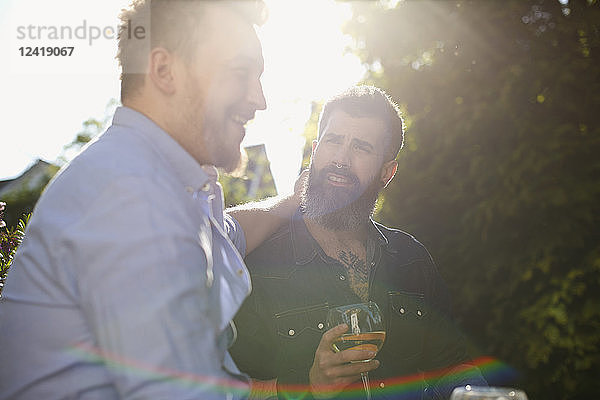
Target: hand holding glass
[365, 331]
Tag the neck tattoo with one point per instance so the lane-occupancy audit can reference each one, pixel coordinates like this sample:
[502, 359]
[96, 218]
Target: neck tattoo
[358, 273]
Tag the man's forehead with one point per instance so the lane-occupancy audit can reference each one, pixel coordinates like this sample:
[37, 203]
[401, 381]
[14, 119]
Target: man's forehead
[343, 123]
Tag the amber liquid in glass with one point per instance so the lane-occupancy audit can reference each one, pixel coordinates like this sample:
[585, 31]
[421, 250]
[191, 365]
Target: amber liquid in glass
[363, 341]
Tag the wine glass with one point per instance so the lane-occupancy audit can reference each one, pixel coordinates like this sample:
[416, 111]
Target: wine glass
[365, 331]
[469, 392]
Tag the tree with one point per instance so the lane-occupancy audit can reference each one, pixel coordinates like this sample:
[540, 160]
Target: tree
[499, 175]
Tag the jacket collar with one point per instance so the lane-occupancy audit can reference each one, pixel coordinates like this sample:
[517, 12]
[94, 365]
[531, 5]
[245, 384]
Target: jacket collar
[306, 248]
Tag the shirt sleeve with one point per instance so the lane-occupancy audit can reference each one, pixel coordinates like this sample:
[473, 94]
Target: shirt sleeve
[143, 291]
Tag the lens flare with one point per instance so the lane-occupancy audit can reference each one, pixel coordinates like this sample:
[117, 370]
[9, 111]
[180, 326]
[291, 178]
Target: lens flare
[399, 387]
[121, 364]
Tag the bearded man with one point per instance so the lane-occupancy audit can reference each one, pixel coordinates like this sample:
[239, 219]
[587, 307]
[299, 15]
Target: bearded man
[332, 253]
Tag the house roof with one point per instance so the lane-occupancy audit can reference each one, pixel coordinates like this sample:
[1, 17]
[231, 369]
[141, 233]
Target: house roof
[30, 176]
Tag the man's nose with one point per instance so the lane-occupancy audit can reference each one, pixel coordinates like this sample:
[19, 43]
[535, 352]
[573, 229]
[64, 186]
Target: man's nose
[342, 156]
[257, 97]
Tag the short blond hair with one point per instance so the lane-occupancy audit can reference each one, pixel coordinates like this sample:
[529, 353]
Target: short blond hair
[175, 25]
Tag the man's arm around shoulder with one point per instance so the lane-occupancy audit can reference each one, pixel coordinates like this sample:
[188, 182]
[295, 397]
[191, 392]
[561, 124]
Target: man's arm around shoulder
[259, 220]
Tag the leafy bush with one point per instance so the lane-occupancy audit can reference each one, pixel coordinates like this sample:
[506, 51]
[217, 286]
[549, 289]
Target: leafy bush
[10, 239]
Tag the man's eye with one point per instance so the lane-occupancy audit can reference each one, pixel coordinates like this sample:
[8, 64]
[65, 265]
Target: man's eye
[362, 148]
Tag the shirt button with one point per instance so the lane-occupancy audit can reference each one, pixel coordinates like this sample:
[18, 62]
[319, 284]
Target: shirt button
[320, 326]
[240, 272]
[342, 278]
[372, 263]
[205, 187]
[401, 310]
[419, 313]
[381, 385]
[291, 332]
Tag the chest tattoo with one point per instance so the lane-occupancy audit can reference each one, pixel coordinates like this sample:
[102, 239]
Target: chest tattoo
[357, 272]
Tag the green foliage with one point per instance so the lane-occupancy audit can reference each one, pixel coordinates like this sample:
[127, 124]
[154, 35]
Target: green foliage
[311, 131]
[10, 239]
[234, 189]
[252, 181]
[22, 200]
[499, 176]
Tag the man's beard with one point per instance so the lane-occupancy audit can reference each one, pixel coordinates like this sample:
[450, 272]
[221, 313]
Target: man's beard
[219, 147]
[208, 130]
[338, 208]
[222, 143]
[225, 155]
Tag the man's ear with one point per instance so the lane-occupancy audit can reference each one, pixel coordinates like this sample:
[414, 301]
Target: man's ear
[388, 170]
[161, 68]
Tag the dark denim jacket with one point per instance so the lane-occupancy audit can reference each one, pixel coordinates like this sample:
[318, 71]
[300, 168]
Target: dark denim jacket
[295, 283]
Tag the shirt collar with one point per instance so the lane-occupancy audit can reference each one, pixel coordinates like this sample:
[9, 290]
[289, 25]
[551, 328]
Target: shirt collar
[189, 171]
[306, 248]
[304, 245]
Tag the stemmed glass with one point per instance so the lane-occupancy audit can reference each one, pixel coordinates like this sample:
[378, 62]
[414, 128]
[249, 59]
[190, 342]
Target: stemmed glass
[365, 331]
[487, 393]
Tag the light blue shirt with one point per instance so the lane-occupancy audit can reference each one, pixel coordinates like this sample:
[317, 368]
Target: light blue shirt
[127, 279]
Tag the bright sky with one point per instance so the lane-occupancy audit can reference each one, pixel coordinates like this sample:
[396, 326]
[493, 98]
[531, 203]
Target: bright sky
[45, 99]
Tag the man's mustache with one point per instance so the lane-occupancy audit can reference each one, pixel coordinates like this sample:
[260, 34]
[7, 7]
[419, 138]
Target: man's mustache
[344, 172]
